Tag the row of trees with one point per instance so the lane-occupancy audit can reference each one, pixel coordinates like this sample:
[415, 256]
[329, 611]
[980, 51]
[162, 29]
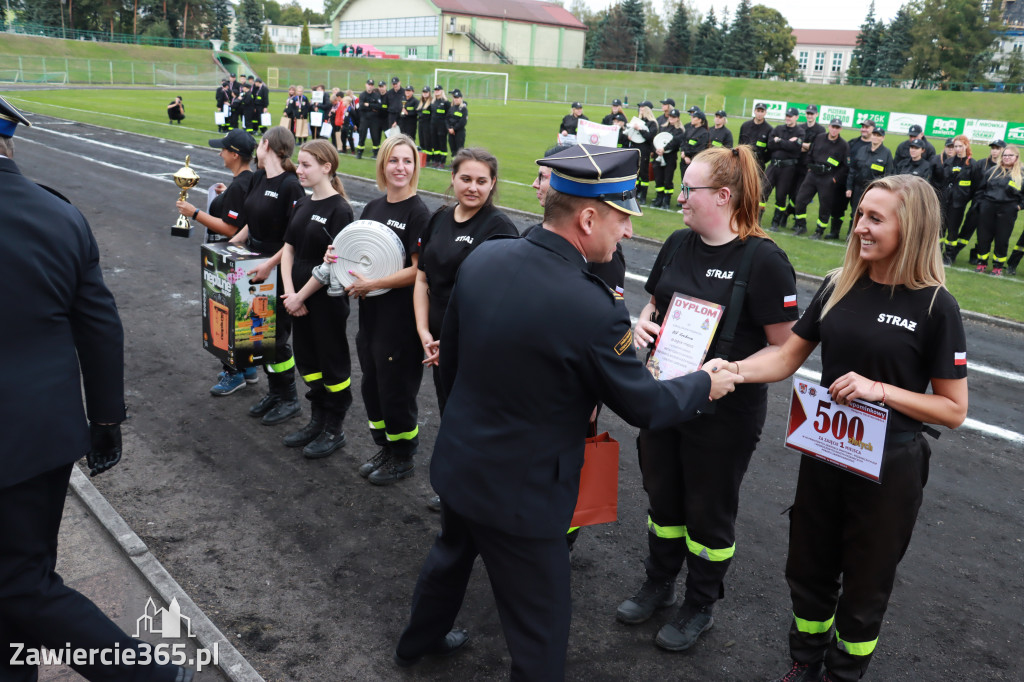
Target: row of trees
[631, 34]
[949, 41]
[186, 19]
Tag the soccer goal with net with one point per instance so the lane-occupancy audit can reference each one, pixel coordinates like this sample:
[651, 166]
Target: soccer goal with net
[474, 84]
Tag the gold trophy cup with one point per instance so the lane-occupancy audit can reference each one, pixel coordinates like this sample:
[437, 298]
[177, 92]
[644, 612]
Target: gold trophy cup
[186, 179]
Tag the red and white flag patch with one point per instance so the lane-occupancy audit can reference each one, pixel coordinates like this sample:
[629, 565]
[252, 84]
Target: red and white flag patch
[789, 301]
[960, 358]
[232, 214]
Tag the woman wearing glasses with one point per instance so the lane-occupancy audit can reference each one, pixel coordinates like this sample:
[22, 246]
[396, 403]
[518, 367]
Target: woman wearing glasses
[692, 472]
[1001, 199]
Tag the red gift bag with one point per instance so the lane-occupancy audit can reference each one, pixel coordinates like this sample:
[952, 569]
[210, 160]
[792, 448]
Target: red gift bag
[598, 500]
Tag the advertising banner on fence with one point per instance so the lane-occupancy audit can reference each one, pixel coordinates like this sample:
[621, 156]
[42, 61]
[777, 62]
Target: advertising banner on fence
[1014, 133]
[900, 123]
[980, 130]
[881, 118]
[774, 109]
[827, 113]
[943, 127]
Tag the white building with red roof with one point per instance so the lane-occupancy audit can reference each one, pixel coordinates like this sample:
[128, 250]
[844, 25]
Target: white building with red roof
[525, 32]
[823, 56]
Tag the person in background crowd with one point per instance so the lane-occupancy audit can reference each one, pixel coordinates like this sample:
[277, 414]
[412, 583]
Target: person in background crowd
[826, 168]
[387, 343]
[288, 116]
[224, 97]
[233, 83]
[176, 110]
[321, 344]
[720, 136]
[336, 118]
[268, 206]
[439, 127]
[620, 122]
[523, 420]
[840, 201]
[692, 471]
[892, 268]
[961, 175]
[974, 212]
[785, 144]
[695, 140]
[407, 119]
[384, 115]
[223, 221]
[423, 114]
[1001, 200]
[755, 133]
[322, 107]
[69, 338]
[250, 119]
[902, 153]
[667, 105]
[458, 116]
[301, 109]
[369, 119]
[261, 97]
[867, 164]
[395, 100]
[645, 129]
[916, 163]
[811, 131]
[664, 160]
[571, 121]
[452, 234]
[616, 109]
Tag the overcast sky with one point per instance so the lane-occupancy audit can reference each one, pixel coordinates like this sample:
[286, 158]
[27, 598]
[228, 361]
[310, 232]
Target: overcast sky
[837, 14]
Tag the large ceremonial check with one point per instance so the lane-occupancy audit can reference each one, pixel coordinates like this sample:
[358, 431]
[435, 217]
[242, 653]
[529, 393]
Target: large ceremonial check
[850, 437]
[685, 337]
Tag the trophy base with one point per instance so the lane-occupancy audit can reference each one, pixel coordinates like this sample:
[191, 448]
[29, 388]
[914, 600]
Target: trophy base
[181, 231]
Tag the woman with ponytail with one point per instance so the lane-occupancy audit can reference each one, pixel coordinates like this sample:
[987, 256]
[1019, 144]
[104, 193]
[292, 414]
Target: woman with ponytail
[321, 345]
[268, 205]
[692, 472]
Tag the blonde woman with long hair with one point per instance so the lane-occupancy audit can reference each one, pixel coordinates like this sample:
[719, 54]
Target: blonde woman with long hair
[1001, 199]
[888, 330]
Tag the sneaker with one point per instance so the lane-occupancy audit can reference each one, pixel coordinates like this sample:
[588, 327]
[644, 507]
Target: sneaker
[651, 597]
[690, 623]
[228, 383]
[252, 375]
[392, 472]
[981, 267]
[802, 672]
[997, 272]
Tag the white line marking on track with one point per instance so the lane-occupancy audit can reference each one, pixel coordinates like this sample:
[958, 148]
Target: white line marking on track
[97, 161]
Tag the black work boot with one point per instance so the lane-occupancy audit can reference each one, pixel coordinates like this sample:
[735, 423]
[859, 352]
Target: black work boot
[308, 433]
[776, 221]
[690, 623]
[651, 597]
[641, 195]
[382, 457]
[799, 226]
[287, 406]
[802, 672]
[785, 219]
[329, 440]
[392, 472]
[265, 404]
[359, 153]
[818, 233]
[973, 259]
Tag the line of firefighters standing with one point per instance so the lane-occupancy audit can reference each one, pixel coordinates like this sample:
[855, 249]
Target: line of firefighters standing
[804, 160]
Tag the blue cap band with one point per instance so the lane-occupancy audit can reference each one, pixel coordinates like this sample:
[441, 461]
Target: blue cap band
[7, 128]
[591, 190]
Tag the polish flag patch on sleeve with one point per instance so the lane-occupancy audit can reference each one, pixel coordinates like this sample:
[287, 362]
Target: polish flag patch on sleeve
[232, 214]
[789, 301]
[960, 358]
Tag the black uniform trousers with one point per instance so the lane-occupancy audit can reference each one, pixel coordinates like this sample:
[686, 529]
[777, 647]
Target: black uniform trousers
[457, 142]
[692, 474]
[823, 186]
[795, 185]
[281, 370]
[530, 581]
[321, 352]
[1018, 252]
[952, 217]
[849, 532]
[996, 225]
[663, 176]
[839, 204]
[391, 358]
[36, 608]
[856, 193]
[426, 142]
[781, 179]
[644, 177]
[407, 124]
[970, 224]
[438, 137]
[369, 129]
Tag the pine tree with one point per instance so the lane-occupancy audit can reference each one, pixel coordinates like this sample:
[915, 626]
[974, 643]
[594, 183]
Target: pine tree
[220, 19]
[595, 43]
[249, 28]
[266, 44]
[679, 43]
[741, 42]
[864, 65]
[632, 13]
[895, 49]
[304, 45]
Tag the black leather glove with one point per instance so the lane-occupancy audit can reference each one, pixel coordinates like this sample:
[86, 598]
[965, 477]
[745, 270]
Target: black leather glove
[104, 447]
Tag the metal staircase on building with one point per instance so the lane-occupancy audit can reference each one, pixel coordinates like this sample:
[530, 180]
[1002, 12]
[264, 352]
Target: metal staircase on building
[481, 43]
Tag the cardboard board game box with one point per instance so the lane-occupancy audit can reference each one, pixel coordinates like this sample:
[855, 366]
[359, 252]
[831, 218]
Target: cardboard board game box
[239, 315]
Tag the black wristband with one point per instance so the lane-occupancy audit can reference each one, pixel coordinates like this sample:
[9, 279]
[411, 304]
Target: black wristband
[196, 214]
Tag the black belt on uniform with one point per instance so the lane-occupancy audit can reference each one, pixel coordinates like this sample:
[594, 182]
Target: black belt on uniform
[263, 247]
[899, 437]
[783, 163]
[820, 168]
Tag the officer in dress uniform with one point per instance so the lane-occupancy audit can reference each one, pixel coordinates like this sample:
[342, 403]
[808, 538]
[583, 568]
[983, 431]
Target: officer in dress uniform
[457, 117]
[755, 133]
[720, 136]
[69, 336]
[510, 446]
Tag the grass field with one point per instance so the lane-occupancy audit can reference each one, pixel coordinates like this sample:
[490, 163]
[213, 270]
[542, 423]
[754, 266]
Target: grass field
[517, 134]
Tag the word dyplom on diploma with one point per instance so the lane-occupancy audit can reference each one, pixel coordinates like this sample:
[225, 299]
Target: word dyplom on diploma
[685, 336]
[850, 437]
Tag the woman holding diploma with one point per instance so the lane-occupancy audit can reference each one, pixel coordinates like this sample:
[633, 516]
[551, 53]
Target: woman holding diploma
[692, 472]
[888, 328]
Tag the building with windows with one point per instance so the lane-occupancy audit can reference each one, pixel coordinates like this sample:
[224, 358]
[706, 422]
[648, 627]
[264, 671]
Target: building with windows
[823, 56]
[527, 32]
[286, 39]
